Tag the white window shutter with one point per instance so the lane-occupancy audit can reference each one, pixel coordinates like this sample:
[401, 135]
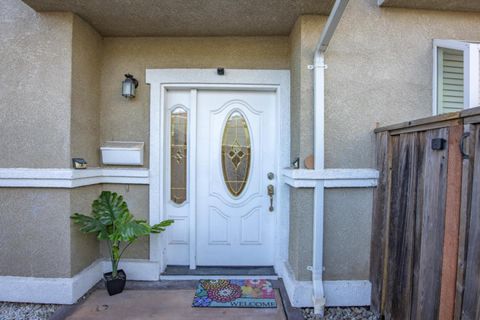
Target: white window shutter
[450, 91]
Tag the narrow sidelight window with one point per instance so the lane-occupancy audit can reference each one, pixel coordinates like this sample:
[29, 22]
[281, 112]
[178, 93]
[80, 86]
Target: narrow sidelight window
[178, 155]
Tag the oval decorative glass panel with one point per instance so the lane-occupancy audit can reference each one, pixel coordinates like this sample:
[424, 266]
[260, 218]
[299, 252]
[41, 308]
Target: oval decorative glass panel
[178, 156]
[236, 154]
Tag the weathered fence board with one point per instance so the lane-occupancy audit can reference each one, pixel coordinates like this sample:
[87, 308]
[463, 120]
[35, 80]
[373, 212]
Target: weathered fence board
[465, 199]
[378, 222]
[425, 260]
[471, 297]
[401, 226]
[433, 219]
[418, 222]
[452, 225]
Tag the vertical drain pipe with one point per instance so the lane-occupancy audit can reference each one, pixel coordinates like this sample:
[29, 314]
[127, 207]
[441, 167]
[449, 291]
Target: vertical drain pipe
[319, 153]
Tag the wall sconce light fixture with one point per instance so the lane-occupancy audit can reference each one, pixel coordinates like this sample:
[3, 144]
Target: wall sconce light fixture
[128, 86]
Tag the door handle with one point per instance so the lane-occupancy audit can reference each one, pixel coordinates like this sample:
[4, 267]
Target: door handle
[271, 192]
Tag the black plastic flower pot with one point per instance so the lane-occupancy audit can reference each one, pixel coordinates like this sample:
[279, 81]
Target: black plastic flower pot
[115, 285]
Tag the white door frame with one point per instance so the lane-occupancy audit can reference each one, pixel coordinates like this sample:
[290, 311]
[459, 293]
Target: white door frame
[277, 81]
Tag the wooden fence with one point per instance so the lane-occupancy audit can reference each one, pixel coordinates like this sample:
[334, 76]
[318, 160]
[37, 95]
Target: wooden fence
[425, 253]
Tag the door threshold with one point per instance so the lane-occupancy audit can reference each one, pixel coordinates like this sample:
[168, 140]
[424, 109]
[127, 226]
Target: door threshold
[210, 277]
[233, 273]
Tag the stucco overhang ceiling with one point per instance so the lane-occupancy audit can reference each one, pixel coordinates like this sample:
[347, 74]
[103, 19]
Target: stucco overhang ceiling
[188, 17]
[453, 5]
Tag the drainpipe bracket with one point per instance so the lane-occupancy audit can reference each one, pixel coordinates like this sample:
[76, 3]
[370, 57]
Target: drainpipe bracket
[310, 268]
[311, 66]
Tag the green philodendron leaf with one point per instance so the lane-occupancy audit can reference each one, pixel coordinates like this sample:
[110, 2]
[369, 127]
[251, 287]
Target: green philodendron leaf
[112, 221]
[160, 227]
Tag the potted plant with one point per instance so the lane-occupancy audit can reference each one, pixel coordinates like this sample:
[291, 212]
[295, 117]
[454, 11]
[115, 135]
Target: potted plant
[112, 221]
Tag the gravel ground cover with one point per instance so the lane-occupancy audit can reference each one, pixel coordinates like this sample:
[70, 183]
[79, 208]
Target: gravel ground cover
[354, 313]
[26, 311]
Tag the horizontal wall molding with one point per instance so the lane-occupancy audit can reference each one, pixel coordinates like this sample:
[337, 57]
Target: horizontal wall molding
[50, 290]
[332, 178]
[70, 178]
[69, 290]
[338, 293]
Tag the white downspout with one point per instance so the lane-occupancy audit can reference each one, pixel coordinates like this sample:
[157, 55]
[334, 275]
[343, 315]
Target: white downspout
[319, 107]
[319, 152]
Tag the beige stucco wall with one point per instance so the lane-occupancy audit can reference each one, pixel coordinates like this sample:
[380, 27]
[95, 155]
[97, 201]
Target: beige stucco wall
[34, 232]
[87, 46]
[300, 235]
[380, 70]
[84, 248]
[37, 237]
[303, 40]
[36, 56]
[347, 233]
[128, 120]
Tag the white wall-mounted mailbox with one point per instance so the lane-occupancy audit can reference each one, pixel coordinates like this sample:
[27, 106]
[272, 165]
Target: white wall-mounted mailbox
[125, 153]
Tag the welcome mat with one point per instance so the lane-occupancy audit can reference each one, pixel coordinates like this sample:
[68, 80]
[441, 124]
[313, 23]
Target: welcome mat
[234, 294]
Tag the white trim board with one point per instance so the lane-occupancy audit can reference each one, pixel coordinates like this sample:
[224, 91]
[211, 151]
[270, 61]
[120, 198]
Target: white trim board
[161, 80]
[50, 290]
[70, 178]
[333, 178]
[69, 290]
[339, 293]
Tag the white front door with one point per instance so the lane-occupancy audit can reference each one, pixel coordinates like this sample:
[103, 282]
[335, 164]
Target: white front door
[235, 153]
[220, 149]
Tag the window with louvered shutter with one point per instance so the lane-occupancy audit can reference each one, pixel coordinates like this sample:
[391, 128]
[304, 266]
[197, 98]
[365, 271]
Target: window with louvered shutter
[450, 80]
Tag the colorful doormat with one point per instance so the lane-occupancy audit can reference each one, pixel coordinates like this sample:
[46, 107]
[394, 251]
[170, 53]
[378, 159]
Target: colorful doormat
[234, 294]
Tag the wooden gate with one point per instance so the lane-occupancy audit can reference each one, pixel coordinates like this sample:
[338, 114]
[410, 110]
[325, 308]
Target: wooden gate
[425, 215]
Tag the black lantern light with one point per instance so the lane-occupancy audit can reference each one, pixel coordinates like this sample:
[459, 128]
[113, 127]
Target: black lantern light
[128, 86]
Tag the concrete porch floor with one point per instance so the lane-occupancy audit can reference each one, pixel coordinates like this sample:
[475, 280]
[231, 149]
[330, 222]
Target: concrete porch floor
[170, 300]
[163, 304]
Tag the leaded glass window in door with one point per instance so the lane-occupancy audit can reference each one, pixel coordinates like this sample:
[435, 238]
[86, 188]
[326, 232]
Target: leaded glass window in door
[236, 153]
[178, 155]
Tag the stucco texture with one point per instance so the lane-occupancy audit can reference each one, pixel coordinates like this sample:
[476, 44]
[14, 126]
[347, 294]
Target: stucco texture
[37, 236]
[303, 40]
[301, 233]
[380, 71]
[34, 232]
[84, 248]
[35, 92]
[49, 102]
[128, 120]
[347, 233]
[87, 57]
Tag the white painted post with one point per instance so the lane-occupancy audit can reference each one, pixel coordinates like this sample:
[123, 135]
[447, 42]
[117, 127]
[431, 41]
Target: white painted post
[192, 162]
